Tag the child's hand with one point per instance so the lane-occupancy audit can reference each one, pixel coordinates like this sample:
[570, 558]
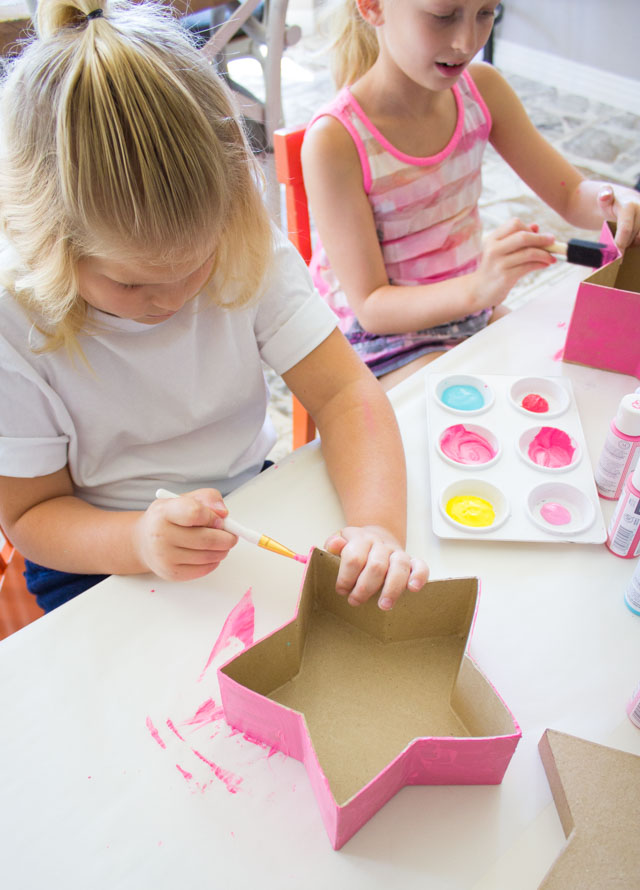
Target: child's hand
[510, 252]
[623, 206]
[372, 561]
[181, 538]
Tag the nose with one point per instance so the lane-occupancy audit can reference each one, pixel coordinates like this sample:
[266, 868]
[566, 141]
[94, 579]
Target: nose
[465, 38]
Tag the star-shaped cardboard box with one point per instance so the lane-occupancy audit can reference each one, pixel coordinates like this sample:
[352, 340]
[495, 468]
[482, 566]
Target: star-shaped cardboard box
[597, 794]
[371, 701]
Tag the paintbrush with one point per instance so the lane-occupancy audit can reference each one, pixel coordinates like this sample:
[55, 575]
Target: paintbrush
[248, 534]
[583, 253]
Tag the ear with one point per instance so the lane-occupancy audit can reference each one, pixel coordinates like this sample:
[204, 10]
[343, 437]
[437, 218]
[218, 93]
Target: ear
[371, 11]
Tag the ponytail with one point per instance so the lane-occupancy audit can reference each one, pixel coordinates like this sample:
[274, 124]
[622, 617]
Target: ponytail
[354, 45]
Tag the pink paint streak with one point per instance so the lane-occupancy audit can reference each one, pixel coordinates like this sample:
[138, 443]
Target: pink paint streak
[171, 726]
[208, 712]
[229, 779]
[558, 356]
[154, 732]
[184, 772]
[239, 624]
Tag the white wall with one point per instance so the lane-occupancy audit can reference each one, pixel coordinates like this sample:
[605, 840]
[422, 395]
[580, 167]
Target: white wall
[604, 34]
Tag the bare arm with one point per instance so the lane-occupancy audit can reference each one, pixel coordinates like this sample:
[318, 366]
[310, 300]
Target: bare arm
[345, 222]
[365, 458]
[49, 525]
[583, 203]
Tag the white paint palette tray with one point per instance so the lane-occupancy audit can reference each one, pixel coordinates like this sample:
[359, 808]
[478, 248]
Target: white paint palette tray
[508, 460]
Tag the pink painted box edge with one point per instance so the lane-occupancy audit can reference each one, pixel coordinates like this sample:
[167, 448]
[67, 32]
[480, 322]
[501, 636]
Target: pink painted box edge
[605, 325]
[269, 722]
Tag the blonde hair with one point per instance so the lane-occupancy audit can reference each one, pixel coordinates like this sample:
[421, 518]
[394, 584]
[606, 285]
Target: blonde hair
[120, 140]
[354, 44]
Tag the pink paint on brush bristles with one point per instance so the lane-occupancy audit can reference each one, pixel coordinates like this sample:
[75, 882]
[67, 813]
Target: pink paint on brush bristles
[300, 558]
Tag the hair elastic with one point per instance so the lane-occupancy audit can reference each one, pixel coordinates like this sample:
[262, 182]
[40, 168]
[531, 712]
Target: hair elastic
[95, 14]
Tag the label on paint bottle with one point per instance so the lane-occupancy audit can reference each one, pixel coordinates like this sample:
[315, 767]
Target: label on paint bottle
[632, 593]
[617, 459]
[623, 537]
[633, 708]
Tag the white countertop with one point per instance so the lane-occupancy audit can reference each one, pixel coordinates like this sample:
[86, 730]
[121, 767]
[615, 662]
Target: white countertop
[90, 799]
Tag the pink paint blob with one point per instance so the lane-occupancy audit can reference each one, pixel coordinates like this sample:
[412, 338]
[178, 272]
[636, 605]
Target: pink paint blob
[466, 447]
[300, 558]
[558, 356]
[154, 732]
[551, 448]
[535, 403]
[555, 514]
[239, 624]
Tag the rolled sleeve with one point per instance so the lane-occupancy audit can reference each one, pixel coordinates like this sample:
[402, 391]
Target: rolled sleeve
[32, 457]
[293, 318]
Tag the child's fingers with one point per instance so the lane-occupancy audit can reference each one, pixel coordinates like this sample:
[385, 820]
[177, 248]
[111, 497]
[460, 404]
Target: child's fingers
[419, 574]
[335, 544]
[628, 224]
[606, 200]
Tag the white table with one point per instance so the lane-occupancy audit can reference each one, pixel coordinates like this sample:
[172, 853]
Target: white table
[90, 800]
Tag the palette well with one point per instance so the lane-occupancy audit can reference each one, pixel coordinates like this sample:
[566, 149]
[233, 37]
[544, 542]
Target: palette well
[508, 460]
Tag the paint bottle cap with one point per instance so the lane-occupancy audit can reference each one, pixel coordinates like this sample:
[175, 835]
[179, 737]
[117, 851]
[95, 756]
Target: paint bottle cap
[628, 416]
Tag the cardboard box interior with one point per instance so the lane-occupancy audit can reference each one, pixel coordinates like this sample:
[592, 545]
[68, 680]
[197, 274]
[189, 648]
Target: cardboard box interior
[369, 682]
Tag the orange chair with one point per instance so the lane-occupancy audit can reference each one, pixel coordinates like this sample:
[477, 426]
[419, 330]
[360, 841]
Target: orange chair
[17, 606]
[286, 148]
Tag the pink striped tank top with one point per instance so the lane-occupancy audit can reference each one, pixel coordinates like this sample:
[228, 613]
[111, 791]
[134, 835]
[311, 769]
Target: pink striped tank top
[427, 220]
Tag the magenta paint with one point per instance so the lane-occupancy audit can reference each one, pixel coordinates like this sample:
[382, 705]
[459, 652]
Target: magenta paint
[239, 624]
[465, 446]
[623, 535]
[551, 448]
[154, 732]
[621, 450]
[558, 355]
[187, 775]
[555, 514]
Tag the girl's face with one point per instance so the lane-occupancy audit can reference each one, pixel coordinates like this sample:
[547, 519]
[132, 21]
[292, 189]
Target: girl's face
[146, 293]
[433, 41]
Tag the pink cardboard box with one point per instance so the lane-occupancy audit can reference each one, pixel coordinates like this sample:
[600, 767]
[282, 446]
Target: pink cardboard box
[371, 701]
[604, 331]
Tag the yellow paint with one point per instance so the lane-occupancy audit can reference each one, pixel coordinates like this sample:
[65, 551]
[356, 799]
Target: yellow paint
[269, 544]
[468, 509]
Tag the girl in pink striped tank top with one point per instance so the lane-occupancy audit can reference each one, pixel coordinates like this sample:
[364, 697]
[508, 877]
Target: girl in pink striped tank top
[393, 174]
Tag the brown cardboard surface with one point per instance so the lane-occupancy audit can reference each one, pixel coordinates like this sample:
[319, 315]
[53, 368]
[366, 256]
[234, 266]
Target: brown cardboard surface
[369, 682]
[597, 794]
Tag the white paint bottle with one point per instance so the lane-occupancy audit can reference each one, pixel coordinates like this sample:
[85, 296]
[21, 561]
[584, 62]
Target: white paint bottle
[633, 708]
[621, 449]
[623, 536]
[632, 593]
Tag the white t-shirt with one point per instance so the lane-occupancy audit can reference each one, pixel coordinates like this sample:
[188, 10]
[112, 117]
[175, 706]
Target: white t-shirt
[181, 404]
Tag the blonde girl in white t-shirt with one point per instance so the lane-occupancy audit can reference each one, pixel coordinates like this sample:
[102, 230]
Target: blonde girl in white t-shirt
[144, 285]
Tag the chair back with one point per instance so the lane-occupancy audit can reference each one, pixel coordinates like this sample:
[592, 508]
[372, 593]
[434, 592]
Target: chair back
[287, 145]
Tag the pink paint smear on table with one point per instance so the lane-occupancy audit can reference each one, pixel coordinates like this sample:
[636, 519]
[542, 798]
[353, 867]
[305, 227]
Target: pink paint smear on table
[551, 448]
[154, 733]
[239, 624]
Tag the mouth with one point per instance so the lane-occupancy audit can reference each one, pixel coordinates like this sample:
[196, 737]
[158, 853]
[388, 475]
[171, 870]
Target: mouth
[451, 69]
